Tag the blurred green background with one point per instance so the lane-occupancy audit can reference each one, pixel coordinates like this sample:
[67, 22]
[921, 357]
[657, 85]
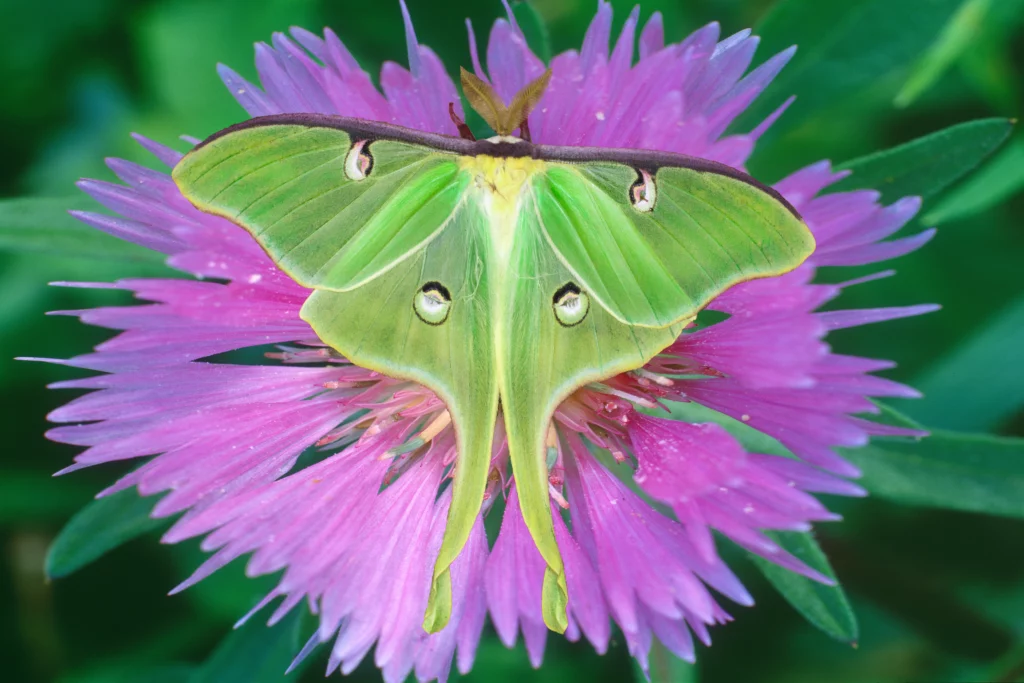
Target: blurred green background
[939, 593]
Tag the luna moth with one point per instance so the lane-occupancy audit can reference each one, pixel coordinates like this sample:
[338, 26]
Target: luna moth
[501, 274]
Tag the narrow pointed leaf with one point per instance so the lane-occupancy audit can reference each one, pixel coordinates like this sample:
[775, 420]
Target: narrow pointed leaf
[844, 48]
[927, 165]
[38, 224]
[977, 385]
[956, 37]
[997, 181]
[824, 606]
[255, 653]
[970, 472]
[664, 667]
[98, 528]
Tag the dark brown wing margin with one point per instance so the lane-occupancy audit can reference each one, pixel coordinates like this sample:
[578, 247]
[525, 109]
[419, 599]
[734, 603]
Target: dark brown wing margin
[361, 129]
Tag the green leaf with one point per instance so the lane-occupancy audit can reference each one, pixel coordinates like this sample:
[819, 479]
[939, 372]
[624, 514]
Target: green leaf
[664, 667]
[254, 653]
[970, 472]
[980, 383]
[534, 29]
[43, 225]
[844, 47]
[927, 165]
[824, 606]
[98, 528]
[954, 40]
[999, 180]
[989, 66]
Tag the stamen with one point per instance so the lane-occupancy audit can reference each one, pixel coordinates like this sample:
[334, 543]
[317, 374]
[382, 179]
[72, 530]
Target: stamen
[557, 496]
[632, 398]
[436, 426]
[660, 380]
[288, 354]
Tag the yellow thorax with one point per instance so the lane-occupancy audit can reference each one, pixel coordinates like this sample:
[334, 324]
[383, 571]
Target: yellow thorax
[501, 177]
[501, 182]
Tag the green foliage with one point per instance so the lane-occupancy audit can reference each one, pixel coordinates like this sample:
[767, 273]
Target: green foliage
[255, 653]
[973, 387]
[951, 44]
[98, 528]
[926, 166]
[970, 472]
[824, 606]
[665, 667]
[999, 180]
[44, 226]
[844, 47]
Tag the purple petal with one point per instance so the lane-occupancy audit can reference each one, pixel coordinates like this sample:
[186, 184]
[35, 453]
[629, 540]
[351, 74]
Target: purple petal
[131, 231]
[412, 45]
[164, 154]
[595, 42]
[874, 253]
[252, 99]
[652, 38]
[837, 320]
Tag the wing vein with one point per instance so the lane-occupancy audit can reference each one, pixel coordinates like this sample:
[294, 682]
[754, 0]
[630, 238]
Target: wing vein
[732, 220]
[323, 194]
[703, 229]
[270, 163]
[241, 151]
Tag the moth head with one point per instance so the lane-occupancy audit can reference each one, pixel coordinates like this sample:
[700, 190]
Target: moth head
[504, 119]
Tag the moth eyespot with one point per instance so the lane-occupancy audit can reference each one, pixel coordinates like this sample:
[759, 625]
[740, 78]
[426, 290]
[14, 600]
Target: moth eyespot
[571, 304]
[644, 192]
[432, 303]
[359, 161]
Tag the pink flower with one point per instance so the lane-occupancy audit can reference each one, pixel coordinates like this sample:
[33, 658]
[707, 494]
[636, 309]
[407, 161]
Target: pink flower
[357, 533]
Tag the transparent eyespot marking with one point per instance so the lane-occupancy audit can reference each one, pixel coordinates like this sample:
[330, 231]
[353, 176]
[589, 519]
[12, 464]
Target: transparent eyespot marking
[643, 192]
[359, 161]
[432, 303]
[571, 304]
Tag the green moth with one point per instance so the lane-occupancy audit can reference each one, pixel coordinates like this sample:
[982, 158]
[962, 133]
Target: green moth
[501, 274]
